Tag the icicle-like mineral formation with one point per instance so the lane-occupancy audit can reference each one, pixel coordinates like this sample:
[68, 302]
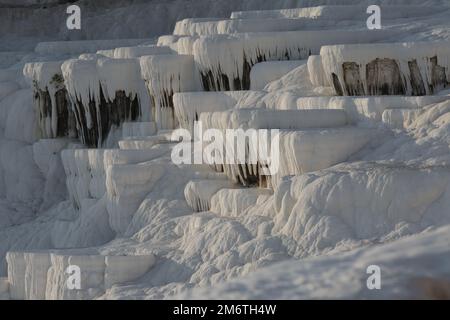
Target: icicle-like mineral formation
[225, 61]
[248, 169]
[52, 106]
[165, 75]
[412, 68]
[105, 93]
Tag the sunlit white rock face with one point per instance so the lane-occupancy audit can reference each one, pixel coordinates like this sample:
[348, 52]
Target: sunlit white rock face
[407, 259]
[358, 193]
[45, 273]
[87, 145]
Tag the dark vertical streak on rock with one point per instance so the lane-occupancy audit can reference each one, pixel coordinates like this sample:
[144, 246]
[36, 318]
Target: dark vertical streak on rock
[438, 76]
[104, 116]
[219, 81]
[416, 80]
[65, 122]
[352, 78]
[383, 78]
[337, 85]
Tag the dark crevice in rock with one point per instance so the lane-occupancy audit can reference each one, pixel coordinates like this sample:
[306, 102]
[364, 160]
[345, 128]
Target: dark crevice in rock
[337, 85]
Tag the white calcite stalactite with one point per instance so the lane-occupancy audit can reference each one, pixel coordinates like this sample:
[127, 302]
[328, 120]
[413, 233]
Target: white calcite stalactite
[225, 61]
[53, 108]
[410, 68]
[251, 173]
[164, 76]
[54, 124]
[82, 83]
[105, 93]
